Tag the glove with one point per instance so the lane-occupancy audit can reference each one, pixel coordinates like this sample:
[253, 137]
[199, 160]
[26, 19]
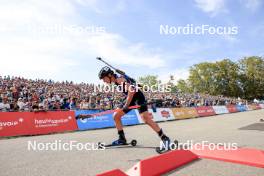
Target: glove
[83, 116]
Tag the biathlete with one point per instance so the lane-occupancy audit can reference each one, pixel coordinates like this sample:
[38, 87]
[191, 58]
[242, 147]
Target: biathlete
[133, 97]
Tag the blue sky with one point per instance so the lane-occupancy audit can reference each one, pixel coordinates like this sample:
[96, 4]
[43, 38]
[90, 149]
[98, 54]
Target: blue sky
[130, 40]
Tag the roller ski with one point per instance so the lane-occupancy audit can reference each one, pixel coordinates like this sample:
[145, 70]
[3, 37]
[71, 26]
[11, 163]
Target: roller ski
[119, 143]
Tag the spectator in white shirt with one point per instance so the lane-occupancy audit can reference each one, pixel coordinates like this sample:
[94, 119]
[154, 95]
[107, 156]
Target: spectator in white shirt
[5, 106]
[1, 105]
[21, 104]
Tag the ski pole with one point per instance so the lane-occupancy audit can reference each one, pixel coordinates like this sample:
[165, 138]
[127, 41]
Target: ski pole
[117, 70]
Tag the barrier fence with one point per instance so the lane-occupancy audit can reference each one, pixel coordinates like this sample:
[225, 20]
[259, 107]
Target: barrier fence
[34, 123]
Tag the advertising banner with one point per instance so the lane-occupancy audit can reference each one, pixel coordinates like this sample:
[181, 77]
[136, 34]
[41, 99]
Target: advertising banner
[95, 122]
[104, 121]
[253, 106]
[262, 106]
[52, 121]
[241, 108]
[205, 111]
[184, 113]
[232, 108]
[220, 109]
[130, 118]
[258, 106]
[30, 123]
[14, 123]
[165, 113]
[249, 107]
[162, 114]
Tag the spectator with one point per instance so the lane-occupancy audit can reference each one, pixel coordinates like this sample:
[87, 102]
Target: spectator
[26, 94]
[84, 104]
[1, 104]
[35, 106]
[73, 104]
[20, 104]
[5, 106]
[65, 104]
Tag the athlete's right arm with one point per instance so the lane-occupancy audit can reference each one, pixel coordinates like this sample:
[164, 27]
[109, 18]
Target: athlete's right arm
[130, 89]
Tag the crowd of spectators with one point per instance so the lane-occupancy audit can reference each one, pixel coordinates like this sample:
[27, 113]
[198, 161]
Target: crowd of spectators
[20, 94]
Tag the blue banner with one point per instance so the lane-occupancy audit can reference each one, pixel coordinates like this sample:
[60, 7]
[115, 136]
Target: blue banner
[105, 120]
[96, 122]
[130, 118]
[241, 108]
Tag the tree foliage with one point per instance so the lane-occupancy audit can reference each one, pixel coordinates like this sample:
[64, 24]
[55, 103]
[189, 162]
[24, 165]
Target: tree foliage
[252, 77]
[149, 80]
[244, 78]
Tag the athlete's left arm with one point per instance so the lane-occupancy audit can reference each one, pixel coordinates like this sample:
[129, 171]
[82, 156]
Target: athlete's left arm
[130, 89]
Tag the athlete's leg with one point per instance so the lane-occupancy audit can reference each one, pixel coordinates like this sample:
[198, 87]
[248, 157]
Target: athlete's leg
[148, 120]
[117, 118]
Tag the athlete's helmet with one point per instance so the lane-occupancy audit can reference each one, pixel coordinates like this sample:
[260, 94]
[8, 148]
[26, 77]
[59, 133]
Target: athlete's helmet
[105, 71]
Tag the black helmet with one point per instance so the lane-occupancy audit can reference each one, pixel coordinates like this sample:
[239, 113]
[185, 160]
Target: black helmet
[105, 71]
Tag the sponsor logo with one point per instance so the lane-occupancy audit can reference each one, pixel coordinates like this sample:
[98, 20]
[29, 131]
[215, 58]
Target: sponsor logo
[190, 112]
[178, 113]
[101, 118]
[11, 123]
[165, 114]
[201, 111]
[51, 122]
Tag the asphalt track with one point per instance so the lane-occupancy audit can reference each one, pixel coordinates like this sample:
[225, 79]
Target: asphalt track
[17, 160]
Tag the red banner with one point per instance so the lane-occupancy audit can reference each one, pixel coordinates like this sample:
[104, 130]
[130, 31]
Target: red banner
[231, 108]
[258, 106]
[14, 123]
[50, 122]
[205, 111]
[28, 123]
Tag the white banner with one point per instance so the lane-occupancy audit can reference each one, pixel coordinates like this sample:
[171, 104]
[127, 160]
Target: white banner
[249, 107]
[262, 106]
[220, 109]
[162, 114]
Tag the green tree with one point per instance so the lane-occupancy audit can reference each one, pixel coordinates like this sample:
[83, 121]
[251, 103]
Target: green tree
[183, 86]
[227, 78]
[149, 80]
[202, 78]
[219, 78]
[251, 70]
[172, 85]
